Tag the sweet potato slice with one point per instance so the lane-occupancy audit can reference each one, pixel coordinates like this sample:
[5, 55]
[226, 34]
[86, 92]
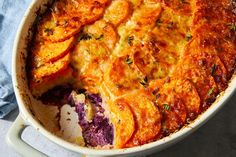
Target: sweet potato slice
[173, 110]
[147, 119]
[51, 68]
[88, 53]
[212, 11]
[85, 11]
[189, 96]
[182, 7]
[89, 58]
[217, 39]
[123, 120]
[192, 69]
[46, 52]
[146, 61]
[147, 15]
[121, 76]
[118, 12]
[57, 30]
[104, 32]
[40, 86]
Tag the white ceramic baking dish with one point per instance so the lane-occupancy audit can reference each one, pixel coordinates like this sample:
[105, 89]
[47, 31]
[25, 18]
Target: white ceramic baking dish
[30, 111]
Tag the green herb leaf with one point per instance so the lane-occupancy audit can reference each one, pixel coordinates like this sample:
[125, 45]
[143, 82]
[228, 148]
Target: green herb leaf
[158, 95]
[158, 23]
[154, 92]
[170, 25]
[211, 91]
[130, 40]
[128, 61]
[166, 107]
[49, 31]
[188, 36]
[144, 82]
[84, 36]
[100, 37]
[213, 69]
[232, 26]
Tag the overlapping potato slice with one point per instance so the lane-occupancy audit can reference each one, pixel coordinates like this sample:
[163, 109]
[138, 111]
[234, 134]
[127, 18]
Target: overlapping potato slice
[173, 110]
[172, 31]
[145, 60]
[182, 7]
[122, 77]
[57, 30]
[104, 32]
[210, 62]
[51, 68]
[89, 59]
[147, 15]
[189, 95]
[41, 85]
[118, 12]
[147, 119]
[85, 11]
[219, 40]
[212, 11]
[192, 69]
[122, 119]
[46, 52]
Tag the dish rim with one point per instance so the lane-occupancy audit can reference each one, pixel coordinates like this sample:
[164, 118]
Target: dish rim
[159, 144]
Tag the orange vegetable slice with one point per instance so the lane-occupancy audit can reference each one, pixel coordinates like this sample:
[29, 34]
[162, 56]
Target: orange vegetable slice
[123, 121]
[118, 12]
[46, 52]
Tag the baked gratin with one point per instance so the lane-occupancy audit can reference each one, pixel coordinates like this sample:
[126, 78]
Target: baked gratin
[132, 71]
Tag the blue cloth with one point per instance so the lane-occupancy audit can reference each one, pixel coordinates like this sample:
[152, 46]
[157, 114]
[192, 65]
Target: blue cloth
[11, 13]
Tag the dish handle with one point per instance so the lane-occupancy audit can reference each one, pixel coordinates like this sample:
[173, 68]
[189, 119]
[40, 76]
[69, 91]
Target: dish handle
[14, 139]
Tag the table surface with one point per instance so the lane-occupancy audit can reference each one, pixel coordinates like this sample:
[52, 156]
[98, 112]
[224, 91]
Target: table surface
[217, 138]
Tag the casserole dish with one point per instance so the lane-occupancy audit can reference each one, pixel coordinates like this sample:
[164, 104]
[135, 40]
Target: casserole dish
[34, 114]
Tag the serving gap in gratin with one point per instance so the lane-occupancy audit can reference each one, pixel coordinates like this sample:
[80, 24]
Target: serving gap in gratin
[123, 73]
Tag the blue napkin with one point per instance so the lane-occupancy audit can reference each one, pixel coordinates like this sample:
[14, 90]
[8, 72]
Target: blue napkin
[11, 13]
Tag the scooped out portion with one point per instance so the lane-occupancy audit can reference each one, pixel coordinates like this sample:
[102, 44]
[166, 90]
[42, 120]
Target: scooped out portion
[97, 131]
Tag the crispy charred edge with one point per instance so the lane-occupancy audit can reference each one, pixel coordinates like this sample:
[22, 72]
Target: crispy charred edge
[30, 40]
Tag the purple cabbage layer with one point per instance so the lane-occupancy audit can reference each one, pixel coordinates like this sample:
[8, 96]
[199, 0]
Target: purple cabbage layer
[98, 131]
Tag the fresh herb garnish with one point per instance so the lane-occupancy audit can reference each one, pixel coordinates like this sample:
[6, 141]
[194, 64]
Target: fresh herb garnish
[84, 36]
[154, 92]
[144, 81]
[158, 95]
[211, 91]
[158, 23]
[232, 26]
[213, 69]
[170, 25]
[188, 36]
[130, 40]
[166, 107]
[128, 61]
[100, 37]
[49, 31]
